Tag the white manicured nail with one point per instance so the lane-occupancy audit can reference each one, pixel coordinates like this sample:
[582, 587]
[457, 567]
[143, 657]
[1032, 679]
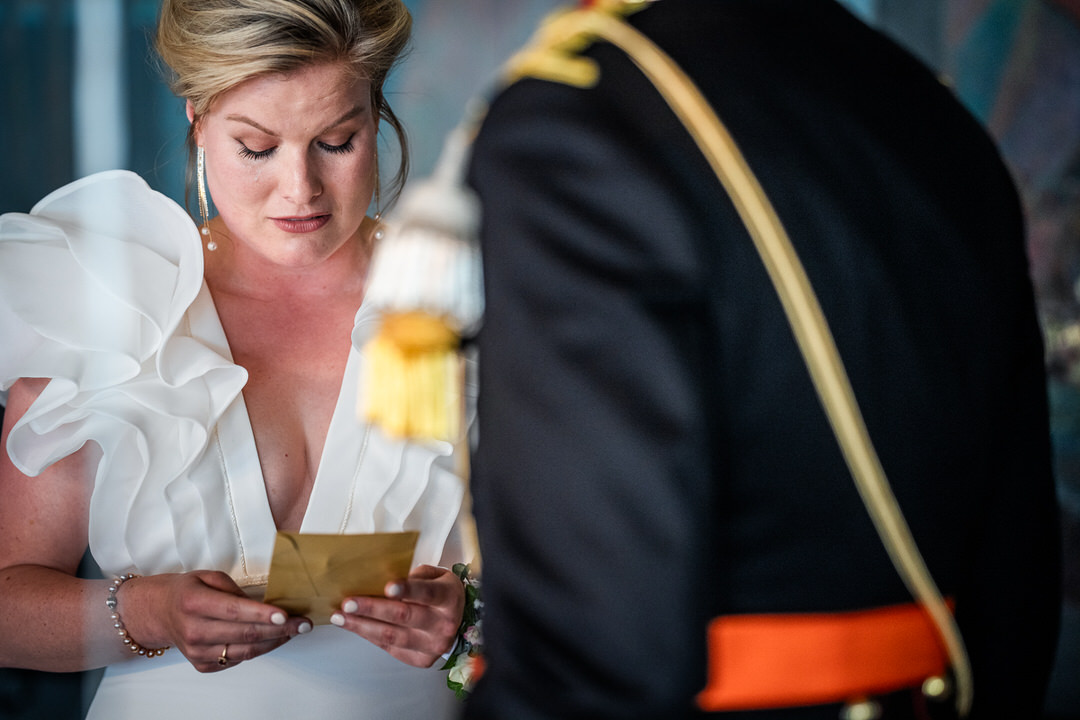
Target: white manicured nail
[350, 606]
[338, 619]
[278, 618]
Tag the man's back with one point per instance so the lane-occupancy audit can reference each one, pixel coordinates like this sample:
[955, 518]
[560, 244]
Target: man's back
[652, 452]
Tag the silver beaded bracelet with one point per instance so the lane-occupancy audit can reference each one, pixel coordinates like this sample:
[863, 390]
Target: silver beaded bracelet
[110, 602]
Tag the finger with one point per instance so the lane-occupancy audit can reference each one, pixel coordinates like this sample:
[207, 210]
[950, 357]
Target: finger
[438, 626]
[210, 633]
[390, 612]
[218, 581]
[426, 585]
[250, 642]
[428, 572]
[411, 646]
[201, 636]
[217, 658]
[226, 601]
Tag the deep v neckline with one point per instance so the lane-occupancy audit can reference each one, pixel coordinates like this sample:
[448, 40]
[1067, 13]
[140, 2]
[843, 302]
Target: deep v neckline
[235, 434]
[365, 483]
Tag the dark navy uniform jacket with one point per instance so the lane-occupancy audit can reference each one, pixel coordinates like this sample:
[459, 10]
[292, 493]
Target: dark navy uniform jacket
[651, 450]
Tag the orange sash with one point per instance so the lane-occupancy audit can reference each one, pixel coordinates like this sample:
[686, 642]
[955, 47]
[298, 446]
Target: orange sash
[788, 660]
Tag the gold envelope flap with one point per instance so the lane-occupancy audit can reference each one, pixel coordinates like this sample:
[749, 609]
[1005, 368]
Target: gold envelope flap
[311, 574]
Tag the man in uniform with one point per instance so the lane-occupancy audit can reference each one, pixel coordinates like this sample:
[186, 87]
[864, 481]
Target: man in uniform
[663, 506]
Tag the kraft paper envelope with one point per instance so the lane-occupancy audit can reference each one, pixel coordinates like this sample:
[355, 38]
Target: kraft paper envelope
[312, 574]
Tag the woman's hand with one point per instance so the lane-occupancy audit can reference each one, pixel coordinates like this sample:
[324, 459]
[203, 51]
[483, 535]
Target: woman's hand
[416, 622]
[200, 613]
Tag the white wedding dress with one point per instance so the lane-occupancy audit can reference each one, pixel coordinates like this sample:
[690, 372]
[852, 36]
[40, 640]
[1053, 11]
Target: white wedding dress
[101, 290]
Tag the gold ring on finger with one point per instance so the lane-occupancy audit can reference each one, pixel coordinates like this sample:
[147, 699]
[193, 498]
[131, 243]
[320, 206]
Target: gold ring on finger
[224, 659]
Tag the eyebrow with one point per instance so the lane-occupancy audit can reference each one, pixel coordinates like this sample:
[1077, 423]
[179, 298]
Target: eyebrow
[355, 111]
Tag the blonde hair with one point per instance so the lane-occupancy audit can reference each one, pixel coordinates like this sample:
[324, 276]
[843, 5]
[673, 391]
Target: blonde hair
[211, 46]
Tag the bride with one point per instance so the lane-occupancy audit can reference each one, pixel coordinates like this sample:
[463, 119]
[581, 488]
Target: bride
[176, 394]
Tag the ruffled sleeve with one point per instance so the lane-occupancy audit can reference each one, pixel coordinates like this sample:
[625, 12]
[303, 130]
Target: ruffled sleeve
[94, 285]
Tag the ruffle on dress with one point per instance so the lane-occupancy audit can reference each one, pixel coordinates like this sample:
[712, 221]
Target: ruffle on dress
[102, 292]
[94, 285]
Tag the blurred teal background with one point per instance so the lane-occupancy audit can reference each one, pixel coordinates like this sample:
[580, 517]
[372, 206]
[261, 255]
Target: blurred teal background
[80, 92]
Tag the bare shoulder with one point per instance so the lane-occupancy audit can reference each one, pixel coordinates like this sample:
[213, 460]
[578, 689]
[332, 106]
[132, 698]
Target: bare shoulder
[43, 519]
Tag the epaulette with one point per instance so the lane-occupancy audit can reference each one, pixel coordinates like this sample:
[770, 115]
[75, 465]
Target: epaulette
[555, 51]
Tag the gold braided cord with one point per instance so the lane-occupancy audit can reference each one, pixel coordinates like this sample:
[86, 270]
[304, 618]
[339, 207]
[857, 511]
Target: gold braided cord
[575, 30]
[554, 53]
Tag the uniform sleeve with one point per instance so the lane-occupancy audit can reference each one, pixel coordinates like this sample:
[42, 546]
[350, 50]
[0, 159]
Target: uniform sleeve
[1010, 624]
[592, 476]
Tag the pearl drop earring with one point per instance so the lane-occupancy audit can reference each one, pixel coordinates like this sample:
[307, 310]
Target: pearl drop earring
[204, 206]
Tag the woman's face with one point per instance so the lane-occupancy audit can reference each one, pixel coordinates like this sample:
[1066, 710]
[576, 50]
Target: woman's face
[290, 162]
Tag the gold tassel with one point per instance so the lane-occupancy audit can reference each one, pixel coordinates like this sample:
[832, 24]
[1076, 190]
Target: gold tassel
[411, 378]
[425, 277]
[425, 281]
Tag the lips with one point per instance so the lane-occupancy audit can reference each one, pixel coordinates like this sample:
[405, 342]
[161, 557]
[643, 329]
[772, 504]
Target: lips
[309, 223]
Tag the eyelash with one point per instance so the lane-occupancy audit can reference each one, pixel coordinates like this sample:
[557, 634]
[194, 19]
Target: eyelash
[342, 149]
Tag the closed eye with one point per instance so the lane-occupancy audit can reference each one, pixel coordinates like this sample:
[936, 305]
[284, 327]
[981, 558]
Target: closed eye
[250, 154]
[345, 147]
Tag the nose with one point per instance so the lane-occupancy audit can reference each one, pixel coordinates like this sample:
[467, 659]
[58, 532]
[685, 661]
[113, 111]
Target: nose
[301, 182]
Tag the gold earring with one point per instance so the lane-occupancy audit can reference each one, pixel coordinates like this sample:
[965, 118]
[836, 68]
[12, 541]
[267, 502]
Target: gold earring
[204, 206]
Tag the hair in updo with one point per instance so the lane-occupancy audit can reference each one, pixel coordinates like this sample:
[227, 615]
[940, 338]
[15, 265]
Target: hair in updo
[211, 46]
